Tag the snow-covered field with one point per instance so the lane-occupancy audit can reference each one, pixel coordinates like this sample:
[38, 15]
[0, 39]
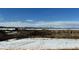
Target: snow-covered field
[40, 43]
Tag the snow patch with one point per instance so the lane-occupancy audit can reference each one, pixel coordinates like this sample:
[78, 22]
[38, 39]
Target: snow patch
[40, 43]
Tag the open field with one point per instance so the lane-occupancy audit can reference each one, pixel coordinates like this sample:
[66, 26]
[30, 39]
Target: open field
[39, 43]
[69, 34]
[39, 39]
[74, 34]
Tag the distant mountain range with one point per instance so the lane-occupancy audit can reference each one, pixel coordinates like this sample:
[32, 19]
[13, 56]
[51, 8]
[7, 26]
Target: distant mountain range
[48, 25]
[51, 27]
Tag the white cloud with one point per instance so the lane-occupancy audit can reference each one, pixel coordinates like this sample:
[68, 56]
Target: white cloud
[16, 24]
[28, 20]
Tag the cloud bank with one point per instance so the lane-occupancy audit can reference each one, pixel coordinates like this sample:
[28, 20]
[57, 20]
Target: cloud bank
[55, 24]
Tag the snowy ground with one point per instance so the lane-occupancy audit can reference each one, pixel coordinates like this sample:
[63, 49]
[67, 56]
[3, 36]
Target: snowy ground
[40, 43]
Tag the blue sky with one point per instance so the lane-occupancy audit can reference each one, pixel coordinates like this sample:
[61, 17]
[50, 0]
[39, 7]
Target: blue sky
[39, 14]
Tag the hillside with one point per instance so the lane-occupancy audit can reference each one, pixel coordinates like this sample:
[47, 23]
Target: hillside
[18, 34]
